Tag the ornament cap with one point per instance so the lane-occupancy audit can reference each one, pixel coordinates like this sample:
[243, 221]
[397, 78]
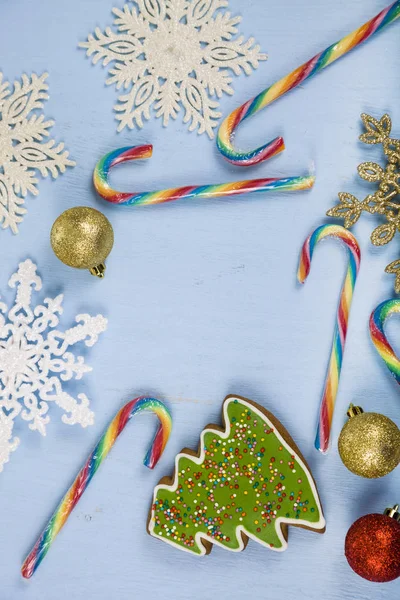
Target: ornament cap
[393, 513]
[353, 411]
[98, 270]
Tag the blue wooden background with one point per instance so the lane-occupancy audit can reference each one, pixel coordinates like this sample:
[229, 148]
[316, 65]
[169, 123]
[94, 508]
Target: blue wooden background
[202, 301]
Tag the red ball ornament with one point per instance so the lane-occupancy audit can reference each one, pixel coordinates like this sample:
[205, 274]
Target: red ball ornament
[372, 546]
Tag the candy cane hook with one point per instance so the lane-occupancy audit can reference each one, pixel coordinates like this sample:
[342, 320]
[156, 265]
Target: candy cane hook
[235, 188]
[87, 472]
[339, 338]
[381, 343]
[289, 82]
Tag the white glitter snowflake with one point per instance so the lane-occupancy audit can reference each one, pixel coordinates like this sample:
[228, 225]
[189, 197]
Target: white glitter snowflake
[173, 53]
[22, 150]
[34, 363]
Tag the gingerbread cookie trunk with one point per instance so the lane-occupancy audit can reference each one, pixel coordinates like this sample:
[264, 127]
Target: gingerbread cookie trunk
[248, 480]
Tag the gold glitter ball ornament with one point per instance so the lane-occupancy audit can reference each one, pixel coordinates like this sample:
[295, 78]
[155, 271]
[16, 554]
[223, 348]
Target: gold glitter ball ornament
[369, 443]
[82, 237]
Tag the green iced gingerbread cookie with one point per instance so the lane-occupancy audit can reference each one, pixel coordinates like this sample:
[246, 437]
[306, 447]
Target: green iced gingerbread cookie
[248, 480]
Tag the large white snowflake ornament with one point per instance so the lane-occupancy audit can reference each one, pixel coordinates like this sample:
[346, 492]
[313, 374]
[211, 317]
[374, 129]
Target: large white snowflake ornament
[22, 150]
[33, 363]
[173, 53]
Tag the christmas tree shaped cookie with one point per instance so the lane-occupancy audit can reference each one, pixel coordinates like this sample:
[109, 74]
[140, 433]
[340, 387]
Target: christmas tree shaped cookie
[248, 480]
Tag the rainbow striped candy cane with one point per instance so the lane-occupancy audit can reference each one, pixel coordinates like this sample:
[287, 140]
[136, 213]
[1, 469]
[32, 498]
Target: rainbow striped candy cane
[289, 82]
[339, 338]
[376, 329]
[235, 188]
[94, 461]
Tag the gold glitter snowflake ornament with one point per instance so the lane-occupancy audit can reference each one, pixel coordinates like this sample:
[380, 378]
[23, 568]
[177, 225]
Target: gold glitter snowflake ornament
[386, 200]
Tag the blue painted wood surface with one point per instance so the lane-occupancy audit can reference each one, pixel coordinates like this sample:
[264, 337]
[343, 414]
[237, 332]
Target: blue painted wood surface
[202, 301]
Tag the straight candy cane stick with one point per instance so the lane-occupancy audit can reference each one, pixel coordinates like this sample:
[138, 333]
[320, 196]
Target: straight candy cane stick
[235, 188]
[289, 82]
[381, 343]
[87, 472]
[339, 338]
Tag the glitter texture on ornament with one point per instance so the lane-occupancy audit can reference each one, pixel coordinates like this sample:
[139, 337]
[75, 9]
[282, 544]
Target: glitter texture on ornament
[22, 149]
[385, 202]
[35, 362]
[172, 54]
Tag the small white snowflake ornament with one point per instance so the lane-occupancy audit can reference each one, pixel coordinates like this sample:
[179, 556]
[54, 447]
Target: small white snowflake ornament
[173, 54]
[22, 149]
[34, 362]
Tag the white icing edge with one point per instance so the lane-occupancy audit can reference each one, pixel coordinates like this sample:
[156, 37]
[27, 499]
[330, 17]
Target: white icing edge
[239, 529]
